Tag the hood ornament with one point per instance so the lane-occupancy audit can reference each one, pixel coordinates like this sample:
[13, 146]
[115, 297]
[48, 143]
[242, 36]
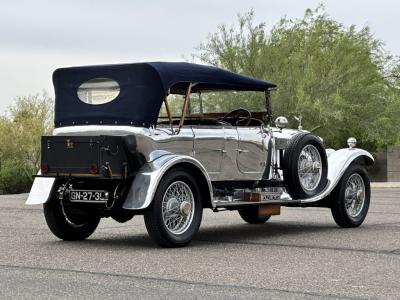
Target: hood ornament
[298, 119]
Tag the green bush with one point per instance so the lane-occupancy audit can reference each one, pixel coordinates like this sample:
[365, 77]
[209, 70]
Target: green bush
[21, 128]
[13, 178]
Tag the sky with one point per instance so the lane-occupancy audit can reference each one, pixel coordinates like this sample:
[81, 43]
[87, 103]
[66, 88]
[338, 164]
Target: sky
[36, 37]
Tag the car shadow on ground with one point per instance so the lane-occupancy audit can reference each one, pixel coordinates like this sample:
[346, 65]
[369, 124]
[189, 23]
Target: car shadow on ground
[233, 233]
[134, 241]
[264, 232]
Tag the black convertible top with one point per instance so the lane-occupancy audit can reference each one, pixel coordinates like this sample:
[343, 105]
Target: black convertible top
[143, 87]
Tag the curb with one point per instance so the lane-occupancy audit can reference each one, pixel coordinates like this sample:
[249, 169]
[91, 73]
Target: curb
[385, 184]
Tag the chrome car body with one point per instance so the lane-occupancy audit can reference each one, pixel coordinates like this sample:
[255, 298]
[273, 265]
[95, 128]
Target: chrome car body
[221, 153]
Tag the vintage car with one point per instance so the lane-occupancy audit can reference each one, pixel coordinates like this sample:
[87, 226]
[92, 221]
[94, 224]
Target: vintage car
[122, 147]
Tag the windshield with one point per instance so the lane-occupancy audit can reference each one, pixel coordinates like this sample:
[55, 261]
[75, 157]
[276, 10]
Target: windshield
[215, 102]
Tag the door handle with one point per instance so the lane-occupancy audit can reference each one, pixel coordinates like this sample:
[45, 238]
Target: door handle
[242, 150]
[220, 150]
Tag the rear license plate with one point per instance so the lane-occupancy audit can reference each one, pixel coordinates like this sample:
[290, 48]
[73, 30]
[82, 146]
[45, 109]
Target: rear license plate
[270, 196]
[88, 196]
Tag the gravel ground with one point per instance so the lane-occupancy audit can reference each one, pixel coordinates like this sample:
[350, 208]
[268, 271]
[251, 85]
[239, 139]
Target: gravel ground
[301, 254]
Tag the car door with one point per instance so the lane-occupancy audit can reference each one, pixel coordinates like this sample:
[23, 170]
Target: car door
[251, 152]
[178, 143]
[229, 165]
[209, 147]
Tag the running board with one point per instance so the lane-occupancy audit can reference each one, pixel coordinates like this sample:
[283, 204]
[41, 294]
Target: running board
[261, 196]
[254, 197]
[219, 203]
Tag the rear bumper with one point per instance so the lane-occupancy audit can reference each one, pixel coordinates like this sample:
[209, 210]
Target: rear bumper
[46, 187]
[41, 190]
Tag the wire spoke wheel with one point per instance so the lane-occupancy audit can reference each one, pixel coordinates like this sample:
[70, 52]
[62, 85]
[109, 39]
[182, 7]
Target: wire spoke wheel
[351, 197]
[309, 168]
[354, 195]
[178, 207]
[175, 215]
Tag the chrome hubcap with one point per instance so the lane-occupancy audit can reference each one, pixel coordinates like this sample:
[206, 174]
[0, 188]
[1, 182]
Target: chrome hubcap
[178, 207]
[185, 208]
[309, 168]
[354, 195]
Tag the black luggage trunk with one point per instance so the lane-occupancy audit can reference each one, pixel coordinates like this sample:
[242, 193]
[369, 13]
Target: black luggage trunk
[96, 156]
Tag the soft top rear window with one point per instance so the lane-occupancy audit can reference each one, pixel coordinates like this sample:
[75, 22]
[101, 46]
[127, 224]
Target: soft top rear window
[98, 91]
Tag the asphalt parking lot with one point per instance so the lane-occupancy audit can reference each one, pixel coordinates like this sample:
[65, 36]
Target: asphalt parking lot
[300, 254]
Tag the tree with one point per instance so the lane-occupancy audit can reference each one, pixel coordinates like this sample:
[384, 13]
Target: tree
[21, 128]
[338, 78]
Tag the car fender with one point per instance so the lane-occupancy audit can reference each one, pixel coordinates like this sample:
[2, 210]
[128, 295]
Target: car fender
[338, 162]
[41, 190]
[144, 186]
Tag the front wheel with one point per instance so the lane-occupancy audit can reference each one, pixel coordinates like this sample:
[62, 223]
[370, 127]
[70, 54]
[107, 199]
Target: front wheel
[66, 226]
[350, 199]
[175, 215]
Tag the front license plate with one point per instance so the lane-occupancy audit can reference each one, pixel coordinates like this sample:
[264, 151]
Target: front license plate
[88, 196]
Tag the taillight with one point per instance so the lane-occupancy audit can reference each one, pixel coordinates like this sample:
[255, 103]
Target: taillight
[93, 169]
[44, 168]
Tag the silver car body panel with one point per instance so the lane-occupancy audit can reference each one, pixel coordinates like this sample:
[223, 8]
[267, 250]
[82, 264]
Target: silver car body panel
[222, 153]
[229, 168]
[209, 148]
[146, 181]
[251, 152]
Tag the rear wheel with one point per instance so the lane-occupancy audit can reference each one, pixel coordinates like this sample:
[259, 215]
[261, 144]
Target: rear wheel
[176, 211]
[350, 199]
[250, 215]
[67, 226]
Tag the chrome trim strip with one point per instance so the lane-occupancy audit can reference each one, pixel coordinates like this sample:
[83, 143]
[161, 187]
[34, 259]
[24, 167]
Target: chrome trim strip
[87, 130]
[238, 202]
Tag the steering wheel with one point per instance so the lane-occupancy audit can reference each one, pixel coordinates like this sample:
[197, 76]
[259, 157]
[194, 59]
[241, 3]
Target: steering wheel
[237, 117]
